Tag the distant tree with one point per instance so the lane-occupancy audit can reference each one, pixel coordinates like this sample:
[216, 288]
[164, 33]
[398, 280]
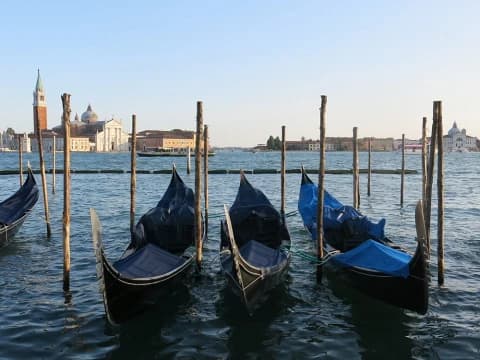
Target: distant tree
[10, 131]
[270, 142]
[277, 144]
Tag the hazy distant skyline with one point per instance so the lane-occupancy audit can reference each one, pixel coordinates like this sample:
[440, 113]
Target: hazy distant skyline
[256, 65]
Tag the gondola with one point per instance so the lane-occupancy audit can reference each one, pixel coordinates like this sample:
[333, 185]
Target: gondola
[15, 209]
[160, 253]
[359, 251]
[254, 246]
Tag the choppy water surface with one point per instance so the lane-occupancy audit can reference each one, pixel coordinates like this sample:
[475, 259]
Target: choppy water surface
[201, 320]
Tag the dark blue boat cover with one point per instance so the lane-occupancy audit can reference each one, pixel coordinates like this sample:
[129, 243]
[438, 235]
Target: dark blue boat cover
[373, 255]
[149, 261]
[336, 216]
[254, 218]
[260, 255]
[19, 203]
[345, 222]
[169, 225]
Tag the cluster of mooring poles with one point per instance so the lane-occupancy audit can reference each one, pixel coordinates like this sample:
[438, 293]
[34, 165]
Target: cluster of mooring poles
[428, 161]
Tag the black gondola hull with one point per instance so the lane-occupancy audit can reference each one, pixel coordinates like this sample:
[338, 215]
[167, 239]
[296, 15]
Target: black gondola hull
[15, 209]
[254, 247]
[124, 298]
[409, 293]
[257, 284]
[8, 232]
[160, 254]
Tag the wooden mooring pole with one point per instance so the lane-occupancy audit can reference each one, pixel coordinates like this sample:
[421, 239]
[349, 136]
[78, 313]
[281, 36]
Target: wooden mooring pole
[321, 177]
[66, 191]
[42, 170]
[133, 174]
[188, 160]
[282, 176]
[369, 165]
[198, 185]
[20, 159]
[424, 164]
[205, 176]
[402, 177]
[355, 169]
[440, 194]
[54, 150]
[430, 169]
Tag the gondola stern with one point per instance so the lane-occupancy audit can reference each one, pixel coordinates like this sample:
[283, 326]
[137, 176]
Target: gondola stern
[305, 178]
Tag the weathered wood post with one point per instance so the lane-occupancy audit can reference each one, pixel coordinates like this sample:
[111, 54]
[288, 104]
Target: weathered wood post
[440, 235]
[205, 175]
[282, 175]
[424, 164]
[198, 185]
[133, 174]
[321, 177]
[20, 159]
[355, 169]
[42, 169]
[369, 165]
[430, 168]
[402, 177]
[54, 149]
[188, 160]
[66, 191]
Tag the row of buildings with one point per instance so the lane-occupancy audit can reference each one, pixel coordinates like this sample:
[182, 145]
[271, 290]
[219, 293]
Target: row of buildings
[87, 133]
[455, 140]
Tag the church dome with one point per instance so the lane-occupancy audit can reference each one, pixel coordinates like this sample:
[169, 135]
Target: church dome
[89, 116]
[454, 130]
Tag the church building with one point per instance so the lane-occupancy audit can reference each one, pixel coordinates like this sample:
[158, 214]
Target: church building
[458, 140]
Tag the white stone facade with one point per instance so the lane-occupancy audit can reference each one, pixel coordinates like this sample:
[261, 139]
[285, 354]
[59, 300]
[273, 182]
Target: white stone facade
[458, 140]
[112, 138]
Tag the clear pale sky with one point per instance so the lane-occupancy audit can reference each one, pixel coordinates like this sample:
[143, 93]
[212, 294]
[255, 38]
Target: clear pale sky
[256, 65]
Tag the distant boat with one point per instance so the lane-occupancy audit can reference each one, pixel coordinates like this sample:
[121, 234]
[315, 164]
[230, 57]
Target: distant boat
[160, 253]
[15, 209]
[167, 152]
[413, 149]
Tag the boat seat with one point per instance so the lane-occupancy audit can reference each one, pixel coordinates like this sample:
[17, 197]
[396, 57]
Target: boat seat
[149, 261]
[260, 255]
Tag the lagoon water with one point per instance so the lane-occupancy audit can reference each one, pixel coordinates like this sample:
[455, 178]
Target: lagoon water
[303, 320]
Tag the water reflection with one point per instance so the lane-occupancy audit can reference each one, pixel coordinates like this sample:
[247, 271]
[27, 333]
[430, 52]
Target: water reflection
[144, 336]
[251, 336]
[381, 328]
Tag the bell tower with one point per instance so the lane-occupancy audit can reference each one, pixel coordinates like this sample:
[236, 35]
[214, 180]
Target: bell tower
[39, 106]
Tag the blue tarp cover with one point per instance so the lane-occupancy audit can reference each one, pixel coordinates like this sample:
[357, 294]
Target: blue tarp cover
[334, 213]
[368, 254]
[375, 256]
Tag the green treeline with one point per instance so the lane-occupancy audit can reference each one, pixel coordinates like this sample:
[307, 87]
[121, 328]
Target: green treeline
[274, 143]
